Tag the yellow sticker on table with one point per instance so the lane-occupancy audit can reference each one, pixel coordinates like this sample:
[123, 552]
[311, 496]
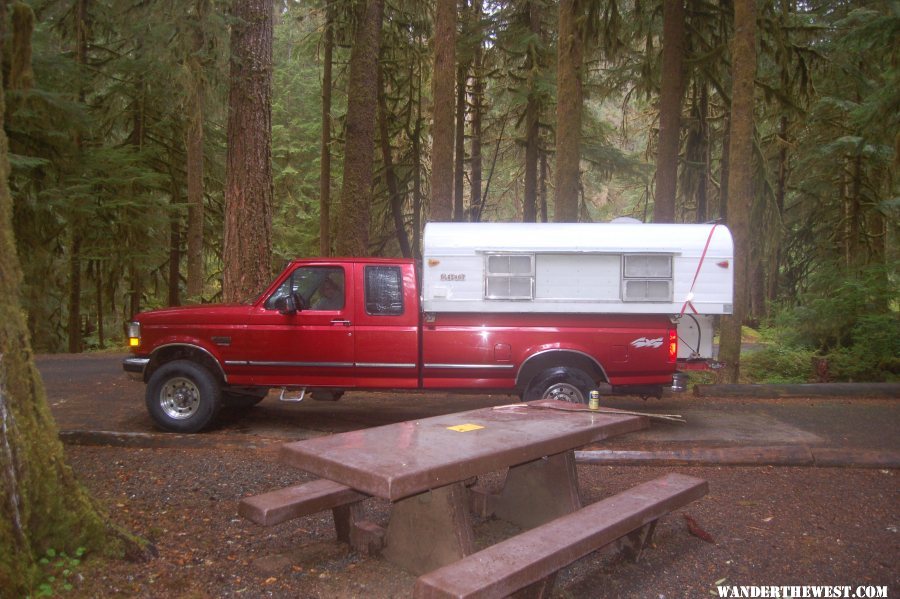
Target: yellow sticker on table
[464, 428]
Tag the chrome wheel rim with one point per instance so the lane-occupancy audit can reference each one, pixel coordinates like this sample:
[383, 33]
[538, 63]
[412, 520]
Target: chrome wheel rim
[179, 398]
[564, 392]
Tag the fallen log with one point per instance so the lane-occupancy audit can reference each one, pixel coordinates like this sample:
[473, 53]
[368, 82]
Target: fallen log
[765, 391]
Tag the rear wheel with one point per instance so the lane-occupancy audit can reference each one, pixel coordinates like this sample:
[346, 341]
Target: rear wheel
[183, 397]
[562, 384]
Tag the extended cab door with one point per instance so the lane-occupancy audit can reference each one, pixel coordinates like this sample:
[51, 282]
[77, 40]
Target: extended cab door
[386, 325]
[311, 347]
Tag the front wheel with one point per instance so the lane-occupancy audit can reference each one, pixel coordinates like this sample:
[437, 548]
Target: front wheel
[562, 384]
[183, 397]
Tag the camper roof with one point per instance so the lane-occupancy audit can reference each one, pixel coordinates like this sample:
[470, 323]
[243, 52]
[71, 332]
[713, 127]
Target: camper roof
[465, 238]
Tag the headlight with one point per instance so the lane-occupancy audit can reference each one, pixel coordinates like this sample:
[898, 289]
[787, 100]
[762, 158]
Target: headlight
[134, 334]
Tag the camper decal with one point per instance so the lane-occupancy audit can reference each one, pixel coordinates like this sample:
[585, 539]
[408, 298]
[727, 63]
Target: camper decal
[644, 342]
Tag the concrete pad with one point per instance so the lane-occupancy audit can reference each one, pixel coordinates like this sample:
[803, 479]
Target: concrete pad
[745, 427]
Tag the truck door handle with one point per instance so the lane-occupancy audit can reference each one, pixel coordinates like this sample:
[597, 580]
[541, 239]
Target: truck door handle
[336, 321]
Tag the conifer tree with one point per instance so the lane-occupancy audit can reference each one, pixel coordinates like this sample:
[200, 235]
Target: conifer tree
[569, 98]
[740, 173]
[42, 505]
[356, 191]
[248, 191]
[441, 207]
[671, 92]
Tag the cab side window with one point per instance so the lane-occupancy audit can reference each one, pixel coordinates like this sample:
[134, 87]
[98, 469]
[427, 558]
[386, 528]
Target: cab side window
[329, 293]
[384, 290]
[317, 287]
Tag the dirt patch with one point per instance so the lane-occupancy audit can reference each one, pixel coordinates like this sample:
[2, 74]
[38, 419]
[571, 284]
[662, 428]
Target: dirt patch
[771, 526]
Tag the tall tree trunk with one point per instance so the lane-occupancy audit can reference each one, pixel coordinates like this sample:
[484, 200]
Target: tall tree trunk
[416, 136]
[740, 179]
[3, 29]
[42, 504]
[174, 281]
[853, 218]
[477, 112]
[441, 207]
[325, 162]
[21, 73]
[703, 124]
[417, 184]
[74, 323]
[543, 188]
[670, 97]
[780, 194]
[136, 140]
[756, 292]
[570, 57]
[725, 164]
[75, 224]
[98, 291]
[248, 187]
[136, 292]
[390, 174]
[532, 119]
[459, 150]
[194, 151]
[356, 192]
[174, 298]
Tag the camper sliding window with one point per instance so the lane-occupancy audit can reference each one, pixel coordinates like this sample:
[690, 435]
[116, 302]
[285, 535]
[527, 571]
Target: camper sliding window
[647, 278]
[509, 276]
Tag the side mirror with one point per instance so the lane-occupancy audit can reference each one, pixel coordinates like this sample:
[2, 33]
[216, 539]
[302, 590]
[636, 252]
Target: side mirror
[287, 304]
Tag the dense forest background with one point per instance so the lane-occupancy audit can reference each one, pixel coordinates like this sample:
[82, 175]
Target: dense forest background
[477, 110]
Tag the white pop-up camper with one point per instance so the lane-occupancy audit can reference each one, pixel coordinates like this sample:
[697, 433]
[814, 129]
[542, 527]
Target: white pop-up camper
[616, 268]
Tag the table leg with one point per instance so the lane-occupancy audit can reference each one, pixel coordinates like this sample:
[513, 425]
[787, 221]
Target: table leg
[430, 530]
[539, 491]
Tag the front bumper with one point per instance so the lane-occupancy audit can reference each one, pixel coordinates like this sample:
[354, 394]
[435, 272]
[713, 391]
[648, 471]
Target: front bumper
[135, 367]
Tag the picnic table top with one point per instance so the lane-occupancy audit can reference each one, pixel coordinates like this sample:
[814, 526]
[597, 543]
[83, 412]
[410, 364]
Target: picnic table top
[402, 459]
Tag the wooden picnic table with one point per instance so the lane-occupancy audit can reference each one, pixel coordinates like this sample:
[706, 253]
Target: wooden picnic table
[422, 467]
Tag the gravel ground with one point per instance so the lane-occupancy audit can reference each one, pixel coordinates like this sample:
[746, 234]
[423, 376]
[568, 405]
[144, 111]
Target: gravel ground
[771, 526]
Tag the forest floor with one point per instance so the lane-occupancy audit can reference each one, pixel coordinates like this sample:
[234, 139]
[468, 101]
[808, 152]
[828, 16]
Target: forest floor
[771, 526]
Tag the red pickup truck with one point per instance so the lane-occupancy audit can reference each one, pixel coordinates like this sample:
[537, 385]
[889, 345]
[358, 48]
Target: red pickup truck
[329, 325]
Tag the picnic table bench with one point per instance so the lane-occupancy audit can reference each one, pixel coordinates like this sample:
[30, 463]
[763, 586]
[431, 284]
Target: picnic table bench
[426, 469]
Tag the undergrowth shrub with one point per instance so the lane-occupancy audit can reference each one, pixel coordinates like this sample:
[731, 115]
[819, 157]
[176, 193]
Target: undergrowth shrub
[847, 321]
[874, 352]
[778, 364]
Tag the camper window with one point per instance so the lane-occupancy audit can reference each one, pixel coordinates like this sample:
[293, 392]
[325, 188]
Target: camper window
[647, 278]
[509, 276]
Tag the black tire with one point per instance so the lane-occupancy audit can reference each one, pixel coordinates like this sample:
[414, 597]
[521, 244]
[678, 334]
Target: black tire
[242, 398]
[326, 394]
[561, 383]
[183, 397]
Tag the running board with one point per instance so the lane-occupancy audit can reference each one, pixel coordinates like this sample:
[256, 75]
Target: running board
[292, 399]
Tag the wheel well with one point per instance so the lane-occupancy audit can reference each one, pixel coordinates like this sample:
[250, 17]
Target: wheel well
[195, 354]
[555, 359]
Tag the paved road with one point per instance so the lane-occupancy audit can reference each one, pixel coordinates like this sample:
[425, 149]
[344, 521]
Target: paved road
[90, 393]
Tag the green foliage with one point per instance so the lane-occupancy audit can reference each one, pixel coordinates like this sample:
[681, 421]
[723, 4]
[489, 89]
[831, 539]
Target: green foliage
[848, 322]
[777, 364]
[836, 303]
[97, 149]
[58, 570]
[296, 135]
[874, 351]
